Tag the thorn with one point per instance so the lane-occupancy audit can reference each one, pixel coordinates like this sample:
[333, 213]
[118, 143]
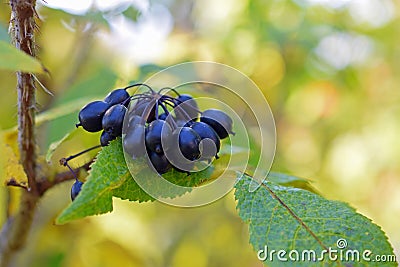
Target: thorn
[41, 85]
[13, 182]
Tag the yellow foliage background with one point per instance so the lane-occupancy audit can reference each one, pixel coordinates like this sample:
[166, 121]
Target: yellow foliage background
[329, 69]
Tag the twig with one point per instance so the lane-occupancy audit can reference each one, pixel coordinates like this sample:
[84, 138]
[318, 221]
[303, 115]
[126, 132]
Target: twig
[46, 184]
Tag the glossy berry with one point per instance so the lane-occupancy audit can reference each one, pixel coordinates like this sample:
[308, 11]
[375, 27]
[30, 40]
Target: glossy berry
[134, 142]
[156, 131]
[219, 121]
[162, 116]
[106, 137]
[186, 107]
[189, 142]
[182, 123]
[141, 106]
[75, 189]
[91, 115]
[116, 97]
[160, 162]
[206, 132]
[133, 121]
[113, 119]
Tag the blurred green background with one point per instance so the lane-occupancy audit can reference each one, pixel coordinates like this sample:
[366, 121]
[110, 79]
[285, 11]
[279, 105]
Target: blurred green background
[329, 69]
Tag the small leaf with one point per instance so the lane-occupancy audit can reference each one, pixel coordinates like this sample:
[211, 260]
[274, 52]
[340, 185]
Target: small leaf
[14, 169]
[289, 180]
[131, 13]
[109, 171]
[53, 146]
[287, 218]
[10, 167]
[15, 60]
[110, 176]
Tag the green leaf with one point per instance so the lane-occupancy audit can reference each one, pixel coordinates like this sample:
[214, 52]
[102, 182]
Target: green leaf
[108, 171]
[287, 218]
[131, 13]
[110, 176]
[148, 69]
[4, 34]
[289, 180]
[53, 146]
[15, 60]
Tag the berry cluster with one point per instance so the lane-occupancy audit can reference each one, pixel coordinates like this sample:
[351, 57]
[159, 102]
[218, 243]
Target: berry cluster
[173, 131]
[170, 130]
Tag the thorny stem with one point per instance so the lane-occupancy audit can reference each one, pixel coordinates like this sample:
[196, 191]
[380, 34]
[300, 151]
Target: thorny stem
[15, 231]
[23, 19]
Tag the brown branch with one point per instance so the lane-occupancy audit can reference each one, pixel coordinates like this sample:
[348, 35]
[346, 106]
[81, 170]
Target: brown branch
[16, 229]
[23, 37]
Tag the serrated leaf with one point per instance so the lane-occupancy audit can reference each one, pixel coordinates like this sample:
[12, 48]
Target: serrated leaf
[15, 60]
[290, 180]
[109, 176]
[108, 171]
[287, 218]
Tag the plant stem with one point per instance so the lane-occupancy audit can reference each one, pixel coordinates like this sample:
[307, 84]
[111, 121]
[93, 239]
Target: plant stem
[16, 229]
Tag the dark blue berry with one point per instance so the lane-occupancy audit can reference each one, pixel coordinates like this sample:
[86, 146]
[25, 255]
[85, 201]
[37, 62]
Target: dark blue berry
[219, 121]
[75, 189]
[113, 119]
[91, 115]
[134, 142]
[160, 162]
[189, 142]
[162, 116]
[206, 132]
[140, 108]
[133, 121]
[186, 108]
[158, 130]
[106, 137]
[116, 97]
